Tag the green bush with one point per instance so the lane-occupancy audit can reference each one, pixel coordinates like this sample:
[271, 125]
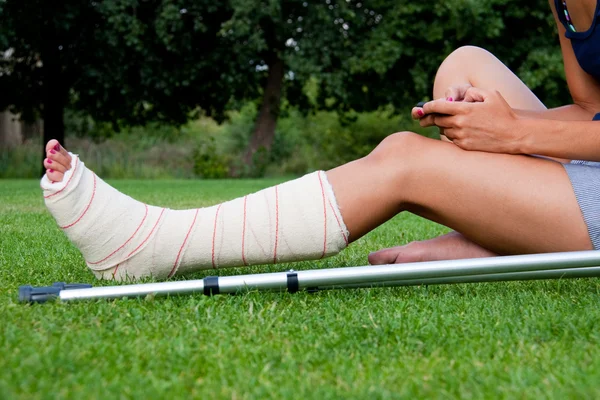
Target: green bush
[208, 163]
[202, 148]
[24, 161]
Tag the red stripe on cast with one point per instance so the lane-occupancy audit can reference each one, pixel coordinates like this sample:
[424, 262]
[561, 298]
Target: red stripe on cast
[68, 182]
[276, 225]
[86, 209]
[175, 265]
[115, 271]
[244, 233]
[150, 234]
[145, 240]
[324, 217]
[214, 237]
[339, 223]
[128, 240]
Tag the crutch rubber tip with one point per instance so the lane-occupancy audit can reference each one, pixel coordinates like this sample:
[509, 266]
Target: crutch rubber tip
[30, 294]
[25, 293]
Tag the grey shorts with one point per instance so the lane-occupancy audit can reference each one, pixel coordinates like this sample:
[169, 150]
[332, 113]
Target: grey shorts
[585, 179]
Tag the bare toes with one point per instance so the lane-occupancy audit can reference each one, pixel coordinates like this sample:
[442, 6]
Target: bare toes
[54, 176]
[55, 166]
[58, 158]
[54, 145]
[412, 252]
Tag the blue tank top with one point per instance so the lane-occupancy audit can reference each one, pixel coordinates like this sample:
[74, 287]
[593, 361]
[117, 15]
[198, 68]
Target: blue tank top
[586, 44]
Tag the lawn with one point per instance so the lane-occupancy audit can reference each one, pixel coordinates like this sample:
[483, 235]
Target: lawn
[507, 340]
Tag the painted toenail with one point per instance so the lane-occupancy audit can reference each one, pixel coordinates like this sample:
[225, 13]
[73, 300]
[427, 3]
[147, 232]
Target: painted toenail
[57, 147]
[50, 171]
[49, 160]
[52, 152]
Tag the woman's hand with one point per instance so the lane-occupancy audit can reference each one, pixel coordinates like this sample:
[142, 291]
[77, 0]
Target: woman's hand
[483, 121]
[453, 93]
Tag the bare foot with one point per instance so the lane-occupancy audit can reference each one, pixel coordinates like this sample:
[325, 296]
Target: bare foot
[57, 162]
[451, 246]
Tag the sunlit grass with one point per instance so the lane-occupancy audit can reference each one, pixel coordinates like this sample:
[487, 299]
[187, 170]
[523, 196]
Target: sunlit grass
[509, 340]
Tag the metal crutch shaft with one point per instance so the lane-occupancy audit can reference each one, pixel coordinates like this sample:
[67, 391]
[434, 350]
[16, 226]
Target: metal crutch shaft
[537, 266]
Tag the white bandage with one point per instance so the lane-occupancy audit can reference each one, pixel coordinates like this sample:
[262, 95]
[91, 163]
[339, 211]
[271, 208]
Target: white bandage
[120, 237]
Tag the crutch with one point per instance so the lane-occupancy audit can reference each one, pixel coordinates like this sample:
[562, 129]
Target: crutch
[579, 264]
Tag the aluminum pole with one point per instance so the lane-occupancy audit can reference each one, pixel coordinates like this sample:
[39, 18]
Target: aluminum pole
[584, 272]
[535, 266]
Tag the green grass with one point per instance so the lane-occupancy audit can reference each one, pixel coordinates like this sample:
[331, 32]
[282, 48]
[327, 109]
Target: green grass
[507, 340]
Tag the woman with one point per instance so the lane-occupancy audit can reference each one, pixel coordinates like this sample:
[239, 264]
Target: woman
[481, 182]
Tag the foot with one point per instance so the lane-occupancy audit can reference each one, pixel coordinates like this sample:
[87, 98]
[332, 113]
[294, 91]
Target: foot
[57, 162]
[451, 246]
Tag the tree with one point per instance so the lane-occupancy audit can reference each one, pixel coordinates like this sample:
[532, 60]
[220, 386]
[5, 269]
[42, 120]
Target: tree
[123, 61]
[371, 53]
[397, 61]
[42, 41]
[134, 61]
[282, 44]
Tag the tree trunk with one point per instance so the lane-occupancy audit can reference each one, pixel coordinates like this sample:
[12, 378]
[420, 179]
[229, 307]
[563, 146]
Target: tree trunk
[54, 126]
[264, 129]
[55, 94]
[10, 130]
[32, 130]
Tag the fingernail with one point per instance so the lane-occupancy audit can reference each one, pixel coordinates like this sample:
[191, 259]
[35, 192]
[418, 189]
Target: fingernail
[420, 113]
[449, 98]
[57, 147]
[50, 171]
[49, 160]
[52, 152]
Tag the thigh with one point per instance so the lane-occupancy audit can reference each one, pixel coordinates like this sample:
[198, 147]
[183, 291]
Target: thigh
[509, 204]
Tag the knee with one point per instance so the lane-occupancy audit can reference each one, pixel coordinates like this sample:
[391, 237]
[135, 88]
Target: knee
[397, 150]
[464, 57]
[460, 66]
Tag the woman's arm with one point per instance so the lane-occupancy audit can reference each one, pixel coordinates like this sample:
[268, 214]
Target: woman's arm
[485, 122]
[564, 132]
[571, 112]
[565, 137]
[573, 140]
[584, 89]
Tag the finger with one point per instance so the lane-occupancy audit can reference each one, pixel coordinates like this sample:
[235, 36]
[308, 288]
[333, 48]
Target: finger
[451, 134]
[442, 106]
[444, 121]
[427, 121]
[417, 113]
[476, 95]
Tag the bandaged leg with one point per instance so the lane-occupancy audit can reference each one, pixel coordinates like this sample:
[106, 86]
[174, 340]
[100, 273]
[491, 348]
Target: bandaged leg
[121, 238]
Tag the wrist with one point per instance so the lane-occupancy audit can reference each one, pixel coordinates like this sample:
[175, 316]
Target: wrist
[525, 133]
